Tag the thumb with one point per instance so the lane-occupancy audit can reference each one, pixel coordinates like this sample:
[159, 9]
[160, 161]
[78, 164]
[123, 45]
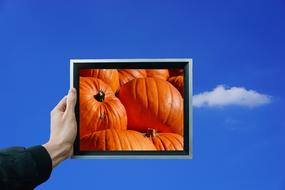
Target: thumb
[71, 100]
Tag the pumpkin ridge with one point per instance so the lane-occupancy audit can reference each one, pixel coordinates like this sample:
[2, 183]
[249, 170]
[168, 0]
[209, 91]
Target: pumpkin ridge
[118, 142]
[128, 138]
[176, 119]
[171, 141]
[114, 112]
[165, 143]
[146, 93]
[85, 138]
[83, 104]
[142, 93]
[161, 144]
[159, 141]
[88, 110]
[131, 73]
[127, 141]
[149, 141]
[105, 121]
[178, 82]
[104, 139]
[95, 120]
[176, 137]
[136, 140]
[140, 143]
[92, 121]
[134, 90]
[122, 120]
[98, 73]
[114, 115]
[112, 75]
[182, 116]
[157, 100]
[170, 110]
[86, 97]
[96, 141]
[122, 140]
[94, 72]
[110, 135]
[85, 85]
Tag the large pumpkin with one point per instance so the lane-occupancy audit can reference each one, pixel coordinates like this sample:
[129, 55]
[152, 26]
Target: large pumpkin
[178, 82]
[116, 140]
[165, 141]
[109, 76]
[126, 75]
[152, 102]
[99, 107]
[158, 73]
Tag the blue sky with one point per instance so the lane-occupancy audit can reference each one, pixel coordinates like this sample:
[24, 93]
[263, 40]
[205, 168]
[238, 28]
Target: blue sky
[232, 43]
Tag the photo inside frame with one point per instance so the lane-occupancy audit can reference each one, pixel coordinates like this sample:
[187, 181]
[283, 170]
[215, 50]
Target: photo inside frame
[131, 109]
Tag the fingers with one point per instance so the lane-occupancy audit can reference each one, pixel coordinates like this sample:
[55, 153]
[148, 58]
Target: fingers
[61, 106]
[71, 100]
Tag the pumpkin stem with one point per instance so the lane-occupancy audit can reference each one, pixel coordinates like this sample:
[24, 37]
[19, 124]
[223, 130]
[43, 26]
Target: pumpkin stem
[151, 132]
[100, 96]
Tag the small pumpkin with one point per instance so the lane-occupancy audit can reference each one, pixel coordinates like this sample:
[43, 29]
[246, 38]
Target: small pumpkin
[126, 75]
[109, 76]
[116, 140]
[152, 102]
[176, 72]
[178, 82]
[99, 107]
[158, 73]
[165, 141]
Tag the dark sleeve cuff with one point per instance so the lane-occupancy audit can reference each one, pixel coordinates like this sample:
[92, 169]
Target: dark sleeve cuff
[43, 162]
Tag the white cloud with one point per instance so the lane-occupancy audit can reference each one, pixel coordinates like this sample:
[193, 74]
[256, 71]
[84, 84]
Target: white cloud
[239, 96]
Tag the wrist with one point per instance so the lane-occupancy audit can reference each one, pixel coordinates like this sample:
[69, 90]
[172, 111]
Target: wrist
[57, 152]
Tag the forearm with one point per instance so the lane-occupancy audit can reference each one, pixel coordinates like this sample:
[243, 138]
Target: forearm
[22, 168]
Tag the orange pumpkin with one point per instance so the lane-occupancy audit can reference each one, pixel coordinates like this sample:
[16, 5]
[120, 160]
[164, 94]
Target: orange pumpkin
[165, 141]
[99, 107]
[178, 82]
[126, 75]
[116, 140]
[158, 73]
[152, 102]
[176, 72]
[109, 76]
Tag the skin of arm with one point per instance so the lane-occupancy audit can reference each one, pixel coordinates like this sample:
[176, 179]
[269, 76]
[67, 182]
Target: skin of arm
[63, 129]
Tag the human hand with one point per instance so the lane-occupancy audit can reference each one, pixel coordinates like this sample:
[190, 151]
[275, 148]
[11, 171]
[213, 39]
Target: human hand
[63, 129]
